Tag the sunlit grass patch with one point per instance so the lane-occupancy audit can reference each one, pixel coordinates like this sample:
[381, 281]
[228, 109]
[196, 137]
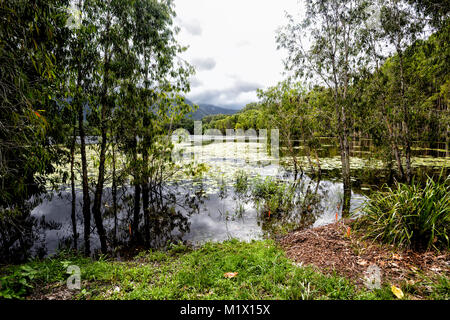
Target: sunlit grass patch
[260, 271]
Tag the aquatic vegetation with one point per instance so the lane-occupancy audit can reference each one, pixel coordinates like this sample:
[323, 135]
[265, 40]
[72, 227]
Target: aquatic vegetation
[275, 196]
[410, 216]
[223, 190]
[241, 182]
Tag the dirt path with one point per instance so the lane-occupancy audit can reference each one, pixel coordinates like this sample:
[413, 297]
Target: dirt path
[335, 247]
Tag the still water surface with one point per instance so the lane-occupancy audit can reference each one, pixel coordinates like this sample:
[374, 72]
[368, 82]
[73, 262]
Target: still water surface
[210, 209]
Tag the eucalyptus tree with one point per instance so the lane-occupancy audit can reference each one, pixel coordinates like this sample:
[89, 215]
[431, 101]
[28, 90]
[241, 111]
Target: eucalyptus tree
[374, 96]
[436, 12]
[113, 20]
[400, 27]
[163, 78]
[82, 67]
[285, 106]
[332, 57]
[429, 85]
[149, 78]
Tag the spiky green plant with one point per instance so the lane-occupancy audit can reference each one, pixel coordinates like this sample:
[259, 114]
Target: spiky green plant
[410, 216]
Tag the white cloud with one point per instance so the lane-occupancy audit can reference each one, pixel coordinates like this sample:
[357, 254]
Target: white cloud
[239, 36]
[228, 96]
[202, 64]
[192, 26]
[195, 82]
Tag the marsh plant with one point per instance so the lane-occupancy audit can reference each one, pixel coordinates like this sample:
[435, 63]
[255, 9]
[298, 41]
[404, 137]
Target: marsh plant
[274, 195]
[223, 190]
[410, 216]
[241, 183]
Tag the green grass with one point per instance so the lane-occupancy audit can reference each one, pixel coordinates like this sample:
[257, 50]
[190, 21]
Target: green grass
[410, 216]
[264, 272]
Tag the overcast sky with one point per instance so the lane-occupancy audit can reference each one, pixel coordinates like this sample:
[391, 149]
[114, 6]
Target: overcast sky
[232, 46]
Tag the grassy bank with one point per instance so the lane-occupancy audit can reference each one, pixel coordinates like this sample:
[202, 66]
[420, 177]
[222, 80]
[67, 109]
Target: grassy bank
[263, 272]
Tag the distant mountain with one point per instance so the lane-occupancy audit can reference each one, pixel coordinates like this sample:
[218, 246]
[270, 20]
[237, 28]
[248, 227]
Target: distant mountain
[209, 109]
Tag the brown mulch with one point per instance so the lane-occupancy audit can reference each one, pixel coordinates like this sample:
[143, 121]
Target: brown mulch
[52, 292]
[60, 291]
[331, 249]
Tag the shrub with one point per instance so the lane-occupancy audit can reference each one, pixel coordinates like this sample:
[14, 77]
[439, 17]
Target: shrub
[410, 216]
[17, 284]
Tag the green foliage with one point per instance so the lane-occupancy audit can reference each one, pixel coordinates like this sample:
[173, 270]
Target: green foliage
[276, 196]
[32, 37]
[250, 117]
[410, 216]
[31, 34]
[440, 288]
[18, 283]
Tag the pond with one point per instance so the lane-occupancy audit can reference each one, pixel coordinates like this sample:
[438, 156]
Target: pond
[215, 208]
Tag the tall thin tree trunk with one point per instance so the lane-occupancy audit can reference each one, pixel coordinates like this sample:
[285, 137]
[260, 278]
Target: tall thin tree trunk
[114, 190]
[308, 156]
[319, 168]
[145, 181]
[86, 196]
[136, 212]
[406, 119]
[345, 159]
[96, 208]
[447, 140]
[137, 196]
[345, 153]
[72, 182]
[395, 150]
[145, 197]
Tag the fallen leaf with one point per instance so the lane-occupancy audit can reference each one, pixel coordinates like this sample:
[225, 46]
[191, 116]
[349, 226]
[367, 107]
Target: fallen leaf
[362, 262]
[397, 292]
[394, 264]
[230, 275]
[396, 256]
